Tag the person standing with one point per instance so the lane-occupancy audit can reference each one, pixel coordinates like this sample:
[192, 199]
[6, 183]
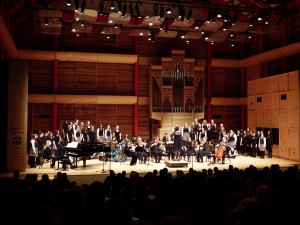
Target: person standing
[177, 145]
[33, 152]
[108, 133]
[117, 135]
[100, 133]
[269, 144]
[186, 132]
[262, 145]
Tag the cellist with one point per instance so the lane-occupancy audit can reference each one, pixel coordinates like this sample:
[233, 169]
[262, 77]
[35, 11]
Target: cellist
[222, 149]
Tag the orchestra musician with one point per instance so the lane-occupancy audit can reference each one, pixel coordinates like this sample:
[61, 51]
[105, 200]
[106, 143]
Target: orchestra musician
[188, 149]
[129, 150]
[222, 149]
[155, 149]
[168, 146]
[203, 150]
[141, 151]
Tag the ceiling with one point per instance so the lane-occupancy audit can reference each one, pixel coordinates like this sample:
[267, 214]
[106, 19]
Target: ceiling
[189, 19]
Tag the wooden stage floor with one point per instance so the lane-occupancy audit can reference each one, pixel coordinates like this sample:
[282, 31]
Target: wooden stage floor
[98, 170]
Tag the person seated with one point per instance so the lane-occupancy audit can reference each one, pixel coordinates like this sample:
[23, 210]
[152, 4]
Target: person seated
[156, 150]
[49, 154]
[232, 152]
[188, 149]
[130, 152]
[203, 150]
[222, 150]
[61, 155]
[141, 152]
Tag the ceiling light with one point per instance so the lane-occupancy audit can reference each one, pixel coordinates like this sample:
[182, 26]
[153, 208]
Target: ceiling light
[169, 11]
[267, 20]
[46, 20]
[112, 5]
[68, 3]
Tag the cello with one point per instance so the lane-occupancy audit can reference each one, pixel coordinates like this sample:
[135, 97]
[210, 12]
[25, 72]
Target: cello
[220, 150]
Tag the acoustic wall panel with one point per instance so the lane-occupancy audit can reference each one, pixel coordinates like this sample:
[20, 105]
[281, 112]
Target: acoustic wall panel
[283, 101]
[275, 119]
[274, 80]
[293, 115]
[267, 118]
[275, 101]
[293, 80]
[283, 82]
[293, 99]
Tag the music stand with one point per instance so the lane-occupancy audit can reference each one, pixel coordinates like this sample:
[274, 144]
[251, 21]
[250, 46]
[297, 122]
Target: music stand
[107, 145]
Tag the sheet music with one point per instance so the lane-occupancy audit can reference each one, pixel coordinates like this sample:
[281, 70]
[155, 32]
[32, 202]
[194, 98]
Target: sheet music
[72, 144]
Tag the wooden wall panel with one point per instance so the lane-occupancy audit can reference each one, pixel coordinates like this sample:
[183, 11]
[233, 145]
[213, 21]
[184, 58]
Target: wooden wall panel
[251, 118]
[293, 99]
[293, 115]
[85, 113]
[293, 80]
[106, 79]
[275, 119]
[275, 84]
[283, 103]
[267, 102]
[283, 119]
[41, 77]
[230, 116]
[294, 138]
[124, 118]
[144, 122]
[144, 80]
[226, 82]
[252, 73]
[275, 100]
[66, 77]
[125, 79]
[283, 82]
[40, 117]
[85, 82]
[267, 119]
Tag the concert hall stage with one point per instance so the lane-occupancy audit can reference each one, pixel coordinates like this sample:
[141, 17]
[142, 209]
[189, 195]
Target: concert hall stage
[98, 170]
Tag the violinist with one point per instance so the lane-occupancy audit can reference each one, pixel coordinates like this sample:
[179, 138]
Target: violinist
[156, 150]
[141, 151]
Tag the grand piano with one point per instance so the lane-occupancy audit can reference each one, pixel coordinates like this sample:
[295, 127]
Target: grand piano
[83, 151]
